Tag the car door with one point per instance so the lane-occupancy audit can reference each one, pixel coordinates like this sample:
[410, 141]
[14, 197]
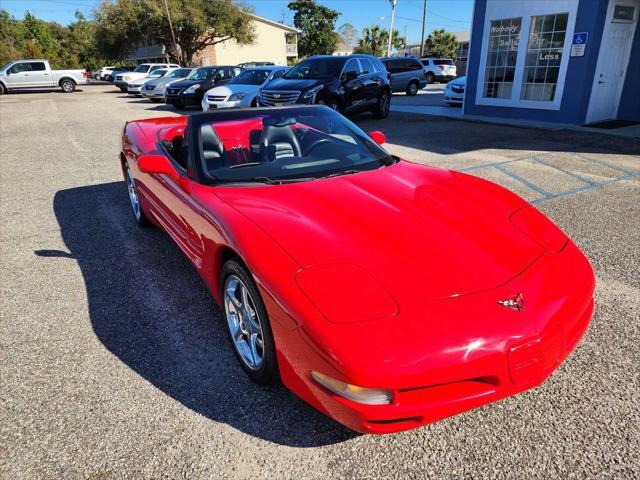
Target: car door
[39, 76]
[393, 66]
[353, 96]
[372, 80]
[18, 75]
[171, 199]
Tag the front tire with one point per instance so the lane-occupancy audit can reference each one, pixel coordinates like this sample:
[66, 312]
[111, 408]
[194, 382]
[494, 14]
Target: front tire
[412, 89]
[381, 109]
[248, 323]
[3, 90]
[430, 77]
[67, 86]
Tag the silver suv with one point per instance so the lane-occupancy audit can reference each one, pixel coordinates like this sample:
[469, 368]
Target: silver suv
[407, 74]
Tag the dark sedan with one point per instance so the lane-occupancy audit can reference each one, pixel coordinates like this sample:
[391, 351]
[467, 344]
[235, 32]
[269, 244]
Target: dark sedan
[189, 92]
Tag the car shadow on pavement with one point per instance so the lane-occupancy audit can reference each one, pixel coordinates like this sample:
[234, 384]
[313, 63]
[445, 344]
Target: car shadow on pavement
[148, 307]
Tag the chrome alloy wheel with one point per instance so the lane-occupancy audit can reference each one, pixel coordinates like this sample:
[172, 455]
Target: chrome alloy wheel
[244, 323]
[133, 196]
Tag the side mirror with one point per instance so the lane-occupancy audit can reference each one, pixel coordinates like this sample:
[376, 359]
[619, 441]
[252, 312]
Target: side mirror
[350, 75]
[158, 164]
[378, 137]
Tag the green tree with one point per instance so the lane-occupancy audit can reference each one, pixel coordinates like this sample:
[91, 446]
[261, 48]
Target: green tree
[195, 25]
[441, 43]
[64, 47]
[316, 23]
[375, 39]
[39, 34]
[12, 37]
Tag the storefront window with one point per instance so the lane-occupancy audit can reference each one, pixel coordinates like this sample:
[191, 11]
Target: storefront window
[544, 54]
[504, 39]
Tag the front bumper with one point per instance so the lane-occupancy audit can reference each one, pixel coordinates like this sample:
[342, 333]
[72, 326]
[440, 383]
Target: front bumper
[207, 105]
[134, 89]
[445, 78]
[453, 98]
[182, 100]
[434, 378]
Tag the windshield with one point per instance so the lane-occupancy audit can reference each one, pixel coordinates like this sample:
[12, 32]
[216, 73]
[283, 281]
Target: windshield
[202, 74]
[286, 146]
[179, 73]
[142, 68]
[250, 77]
[6, 65]
[158, 73]
[316, 68]
[443, 62]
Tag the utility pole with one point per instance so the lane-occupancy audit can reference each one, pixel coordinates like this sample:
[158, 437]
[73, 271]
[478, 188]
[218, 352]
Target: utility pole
[173, 35]
[393, 16]
[424, 22]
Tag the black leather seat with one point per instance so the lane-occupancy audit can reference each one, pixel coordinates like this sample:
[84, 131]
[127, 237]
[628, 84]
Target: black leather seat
[212, 148]
[279, 141]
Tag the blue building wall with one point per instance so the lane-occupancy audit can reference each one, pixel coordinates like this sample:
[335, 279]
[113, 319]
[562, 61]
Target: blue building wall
[630, 103]
[590, 18]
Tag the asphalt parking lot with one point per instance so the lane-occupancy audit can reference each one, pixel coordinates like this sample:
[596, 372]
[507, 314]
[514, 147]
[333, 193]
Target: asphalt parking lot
[114, 361]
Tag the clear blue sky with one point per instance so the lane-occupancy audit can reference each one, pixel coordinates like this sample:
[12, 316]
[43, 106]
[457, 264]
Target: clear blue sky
[453, 15]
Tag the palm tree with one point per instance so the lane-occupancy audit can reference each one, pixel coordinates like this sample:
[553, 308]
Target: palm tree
[374, 41]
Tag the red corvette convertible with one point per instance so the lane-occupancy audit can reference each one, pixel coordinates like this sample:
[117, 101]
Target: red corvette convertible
[386, 294]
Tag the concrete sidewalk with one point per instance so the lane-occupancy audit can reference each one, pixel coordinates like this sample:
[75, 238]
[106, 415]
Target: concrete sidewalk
[632, 131]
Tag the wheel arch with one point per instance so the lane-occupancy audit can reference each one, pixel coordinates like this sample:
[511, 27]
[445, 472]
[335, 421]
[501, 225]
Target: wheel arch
[67, 78]
[223, 254]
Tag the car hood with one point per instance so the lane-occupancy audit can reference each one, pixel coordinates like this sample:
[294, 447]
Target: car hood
[458, 82]
[188, 83]
[161, 81]
[226, 90]
[292, 84]
[422, 233]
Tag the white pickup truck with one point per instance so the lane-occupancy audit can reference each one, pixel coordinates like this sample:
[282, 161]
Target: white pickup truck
[23, 74]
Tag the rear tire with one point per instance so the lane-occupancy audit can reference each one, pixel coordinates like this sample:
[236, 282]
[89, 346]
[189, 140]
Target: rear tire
[412, 89]
[234, 277]
[67, 86]
[381, 110]
[3, 90]
[430, 77]
[134, 199]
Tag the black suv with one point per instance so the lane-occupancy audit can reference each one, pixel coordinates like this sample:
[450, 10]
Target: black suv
[348, 84]
[189, 92]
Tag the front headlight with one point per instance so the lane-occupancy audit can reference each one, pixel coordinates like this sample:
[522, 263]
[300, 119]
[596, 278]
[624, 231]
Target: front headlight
[367, 396]
[313, 92]
[191, 89]
[237, 96]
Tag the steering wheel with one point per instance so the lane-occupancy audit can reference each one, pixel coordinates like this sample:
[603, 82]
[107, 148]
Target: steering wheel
[315, 144]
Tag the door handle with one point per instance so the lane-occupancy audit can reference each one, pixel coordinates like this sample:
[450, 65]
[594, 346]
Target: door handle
[600, 82]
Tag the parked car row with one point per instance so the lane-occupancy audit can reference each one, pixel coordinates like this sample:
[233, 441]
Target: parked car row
[348, 84]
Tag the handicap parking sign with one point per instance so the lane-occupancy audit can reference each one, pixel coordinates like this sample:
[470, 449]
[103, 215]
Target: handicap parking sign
[579, 44]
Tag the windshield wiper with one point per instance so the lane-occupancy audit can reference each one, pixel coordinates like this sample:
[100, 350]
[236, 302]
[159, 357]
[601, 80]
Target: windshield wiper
[248, 164]
[337, 174]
